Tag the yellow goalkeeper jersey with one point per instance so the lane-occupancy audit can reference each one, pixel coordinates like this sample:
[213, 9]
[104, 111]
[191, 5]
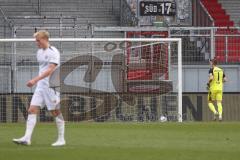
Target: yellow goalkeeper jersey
[218, 76]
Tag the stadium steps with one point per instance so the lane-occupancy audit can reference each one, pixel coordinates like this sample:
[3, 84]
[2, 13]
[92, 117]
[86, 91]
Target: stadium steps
[95, 12]
[219, 15]
[23, 7]
[66, 22]
[222, 19]
[232, 7]
[70, 33]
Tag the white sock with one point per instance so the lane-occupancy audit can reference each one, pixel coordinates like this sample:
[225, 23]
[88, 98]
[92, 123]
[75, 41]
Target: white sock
[31, 122]
[60, 126]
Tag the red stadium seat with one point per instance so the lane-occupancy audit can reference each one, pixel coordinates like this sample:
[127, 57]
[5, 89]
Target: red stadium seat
[221, 19]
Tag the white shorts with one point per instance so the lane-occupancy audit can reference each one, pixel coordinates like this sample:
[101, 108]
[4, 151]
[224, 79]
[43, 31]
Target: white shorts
[46, 96]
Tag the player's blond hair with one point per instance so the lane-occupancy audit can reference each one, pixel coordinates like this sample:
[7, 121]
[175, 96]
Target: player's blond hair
[42, 34]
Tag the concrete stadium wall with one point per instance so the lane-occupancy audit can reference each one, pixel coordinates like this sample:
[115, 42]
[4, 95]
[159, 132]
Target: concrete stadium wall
[195, 78]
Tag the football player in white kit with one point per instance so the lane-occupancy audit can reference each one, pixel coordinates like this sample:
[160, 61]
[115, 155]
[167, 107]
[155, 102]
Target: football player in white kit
[48, 58]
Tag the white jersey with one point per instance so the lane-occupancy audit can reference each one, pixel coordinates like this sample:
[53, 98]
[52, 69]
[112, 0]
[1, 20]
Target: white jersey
[44, 58]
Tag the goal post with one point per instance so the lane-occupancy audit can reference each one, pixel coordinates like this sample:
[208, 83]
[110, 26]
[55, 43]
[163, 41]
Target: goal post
[123, 79]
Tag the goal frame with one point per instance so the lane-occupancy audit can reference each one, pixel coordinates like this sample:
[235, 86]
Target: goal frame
[178, 40]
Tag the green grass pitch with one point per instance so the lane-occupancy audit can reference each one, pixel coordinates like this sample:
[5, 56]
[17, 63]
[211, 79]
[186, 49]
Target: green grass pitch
[126, 141]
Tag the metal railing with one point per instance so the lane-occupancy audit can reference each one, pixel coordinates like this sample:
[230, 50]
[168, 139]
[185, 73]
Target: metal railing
[199, 43]
[39, 7]
[9, 22]
[202, 16]
[36, 5]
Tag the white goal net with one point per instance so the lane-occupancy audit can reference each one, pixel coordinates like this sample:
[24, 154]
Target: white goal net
[117, 79]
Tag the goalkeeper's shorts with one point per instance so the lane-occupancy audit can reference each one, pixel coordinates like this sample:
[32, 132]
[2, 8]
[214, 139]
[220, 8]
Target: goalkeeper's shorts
[215, 95]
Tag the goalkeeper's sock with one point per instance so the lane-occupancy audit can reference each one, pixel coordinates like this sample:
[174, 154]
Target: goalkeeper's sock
[60, 126]
[220, 110]
[212, 108]
[31, 122]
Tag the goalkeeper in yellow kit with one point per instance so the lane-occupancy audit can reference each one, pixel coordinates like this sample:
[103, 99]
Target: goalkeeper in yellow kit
[215, 89]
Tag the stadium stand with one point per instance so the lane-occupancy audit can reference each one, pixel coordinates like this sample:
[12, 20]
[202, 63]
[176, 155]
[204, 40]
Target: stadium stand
[66, 19]
[232, 8]
[71, 14]
[222, 18]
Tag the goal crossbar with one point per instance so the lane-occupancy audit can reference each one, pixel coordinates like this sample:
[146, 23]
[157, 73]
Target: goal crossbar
[95, 39]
